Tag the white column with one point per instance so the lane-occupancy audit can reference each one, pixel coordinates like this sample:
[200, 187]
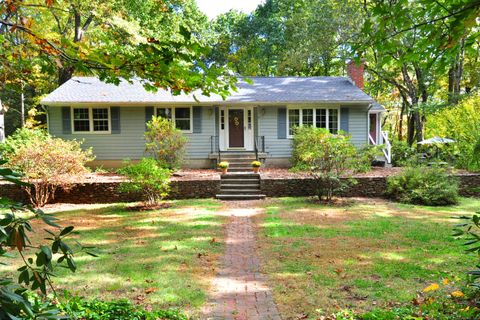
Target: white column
[2, 123]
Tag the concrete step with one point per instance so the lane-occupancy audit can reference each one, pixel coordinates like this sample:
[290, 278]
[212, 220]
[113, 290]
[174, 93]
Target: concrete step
[239, 191]
[240, 176]
[240, 196]
[240, 164]
[240, 186]
[240, 182]
[240, 169]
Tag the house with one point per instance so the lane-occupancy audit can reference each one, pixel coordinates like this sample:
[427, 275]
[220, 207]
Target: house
[259, 118]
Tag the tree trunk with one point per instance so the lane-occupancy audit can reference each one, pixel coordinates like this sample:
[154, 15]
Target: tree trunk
[65, 74]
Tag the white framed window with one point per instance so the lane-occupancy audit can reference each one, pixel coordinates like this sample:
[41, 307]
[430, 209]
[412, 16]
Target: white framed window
[182, 117]
[91, 120]
[325, 117]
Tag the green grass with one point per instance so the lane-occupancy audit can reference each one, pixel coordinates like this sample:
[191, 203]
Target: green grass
[170, 250]
[355, 254]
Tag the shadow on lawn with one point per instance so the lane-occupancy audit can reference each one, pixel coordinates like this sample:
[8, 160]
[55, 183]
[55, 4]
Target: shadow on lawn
[162, 257]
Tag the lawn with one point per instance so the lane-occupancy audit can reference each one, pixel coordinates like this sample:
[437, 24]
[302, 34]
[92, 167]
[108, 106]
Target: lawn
[163, 258]
[360, 255]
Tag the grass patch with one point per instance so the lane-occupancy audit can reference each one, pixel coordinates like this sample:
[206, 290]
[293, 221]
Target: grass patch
[363, 255]
[164, 258]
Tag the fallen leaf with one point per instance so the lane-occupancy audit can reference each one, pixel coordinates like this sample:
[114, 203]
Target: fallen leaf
[432, 287]
[457, 294]
[445, 281]
[150, 290]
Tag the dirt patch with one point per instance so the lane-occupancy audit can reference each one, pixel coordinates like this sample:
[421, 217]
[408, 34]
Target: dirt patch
[148, 207]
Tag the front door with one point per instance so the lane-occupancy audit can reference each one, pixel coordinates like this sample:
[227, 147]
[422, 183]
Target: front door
[236, 128]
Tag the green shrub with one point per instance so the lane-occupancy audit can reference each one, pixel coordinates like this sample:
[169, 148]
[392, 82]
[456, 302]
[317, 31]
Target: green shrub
[47, 163]
[20, 138]
[115, 310]
[165, 142]
[403, 154]
[147, 177]
[366, 156]
[423, 185]
[326, 157]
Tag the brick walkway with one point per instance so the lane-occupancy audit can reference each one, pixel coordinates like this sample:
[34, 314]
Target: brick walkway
[240, 291]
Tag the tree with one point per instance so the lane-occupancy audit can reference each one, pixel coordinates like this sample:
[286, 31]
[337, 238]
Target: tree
[43, 42]
[286, 37]
[411, 45]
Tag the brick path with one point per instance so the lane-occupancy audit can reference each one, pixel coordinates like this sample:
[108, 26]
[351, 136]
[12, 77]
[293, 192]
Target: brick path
[240, 291]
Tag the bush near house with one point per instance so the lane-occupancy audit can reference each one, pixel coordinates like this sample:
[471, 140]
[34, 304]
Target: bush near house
[424, 185]
[47, 163]
[147, 177]
[165, 142]
[326, 157]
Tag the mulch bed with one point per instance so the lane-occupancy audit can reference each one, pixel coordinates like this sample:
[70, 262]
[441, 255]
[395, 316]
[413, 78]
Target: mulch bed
[210, 174]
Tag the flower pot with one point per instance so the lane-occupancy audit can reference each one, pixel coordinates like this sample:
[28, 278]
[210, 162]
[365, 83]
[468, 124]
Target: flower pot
[255, 169]
[224, 170]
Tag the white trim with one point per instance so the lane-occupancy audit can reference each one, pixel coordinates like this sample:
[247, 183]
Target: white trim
[248, 134]
[90, 119]
[314, 107]
[173, 114]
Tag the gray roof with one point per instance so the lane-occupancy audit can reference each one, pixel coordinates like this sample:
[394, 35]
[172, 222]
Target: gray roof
[377, 107]
[263, 90]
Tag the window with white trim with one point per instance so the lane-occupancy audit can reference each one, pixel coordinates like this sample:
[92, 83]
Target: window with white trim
[182, 117]
[327, 118]
[91, 119]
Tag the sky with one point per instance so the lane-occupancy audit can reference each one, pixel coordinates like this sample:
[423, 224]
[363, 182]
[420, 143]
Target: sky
[213, 8]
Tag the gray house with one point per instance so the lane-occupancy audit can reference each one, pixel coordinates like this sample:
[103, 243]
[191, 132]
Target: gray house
[258, 118]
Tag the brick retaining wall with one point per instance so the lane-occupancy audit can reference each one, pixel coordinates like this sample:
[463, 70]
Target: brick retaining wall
[107, 192]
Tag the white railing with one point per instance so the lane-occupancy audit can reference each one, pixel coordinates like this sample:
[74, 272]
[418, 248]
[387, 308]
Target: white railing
[387, 151]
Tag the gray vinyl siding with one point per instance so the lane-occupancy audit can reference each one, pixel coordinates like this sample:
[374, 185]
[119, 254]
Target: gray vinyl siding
[357, 125]
[282, 148]
[130, 143]
[268, 127]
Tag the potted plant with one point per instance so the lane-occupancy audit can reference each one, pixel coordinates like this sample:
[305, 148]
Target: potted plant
[224, 166]
[256, 166]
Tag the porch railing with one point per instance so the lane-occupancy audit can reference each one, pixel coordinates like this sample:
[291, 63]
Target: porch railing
[387, 150]
[259, 145]
[215, 147]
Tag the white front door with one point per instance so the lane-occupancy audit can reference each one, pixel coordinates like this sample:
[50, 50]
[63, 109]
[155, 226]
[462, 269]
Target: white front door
[236, 128]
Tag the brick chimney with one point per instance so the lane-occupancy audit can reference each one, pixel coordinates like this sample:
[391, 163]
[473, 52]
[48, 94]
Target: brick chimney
[355, 72]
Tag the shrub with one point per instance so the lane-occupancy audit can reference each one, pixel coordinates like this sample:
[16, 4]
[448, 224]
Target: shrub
[147, 177]
[326, 157]
[47, 163]
[366, 156]
[165, 142]
[403, 154]
[20, 138]
[115, 310]
[423, 185]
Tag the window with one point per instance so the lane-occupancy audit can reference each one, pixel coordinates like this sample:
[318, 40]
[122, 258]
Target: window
[320, 118]
[293, 120]
[91, 120]
[181, 116]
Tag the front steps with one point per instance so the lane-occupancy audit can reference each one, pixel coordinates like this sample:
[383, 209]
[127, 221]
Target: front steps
[240, 183]
[240, 186]
[239, 161]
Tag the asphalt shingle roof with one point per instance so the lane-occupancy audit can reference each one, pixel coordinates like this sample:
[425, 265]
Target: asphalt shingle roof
[263, 90]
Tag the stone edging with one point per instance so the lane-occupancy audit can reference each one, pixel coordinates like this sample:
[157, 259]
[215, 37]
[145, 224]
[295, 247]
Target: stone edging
[108, 192]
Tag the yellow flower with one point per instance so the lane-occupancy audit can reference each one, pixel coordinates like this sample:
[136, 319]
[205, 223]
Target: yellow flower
[446, 281]
[457, 294]
[432, 287]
